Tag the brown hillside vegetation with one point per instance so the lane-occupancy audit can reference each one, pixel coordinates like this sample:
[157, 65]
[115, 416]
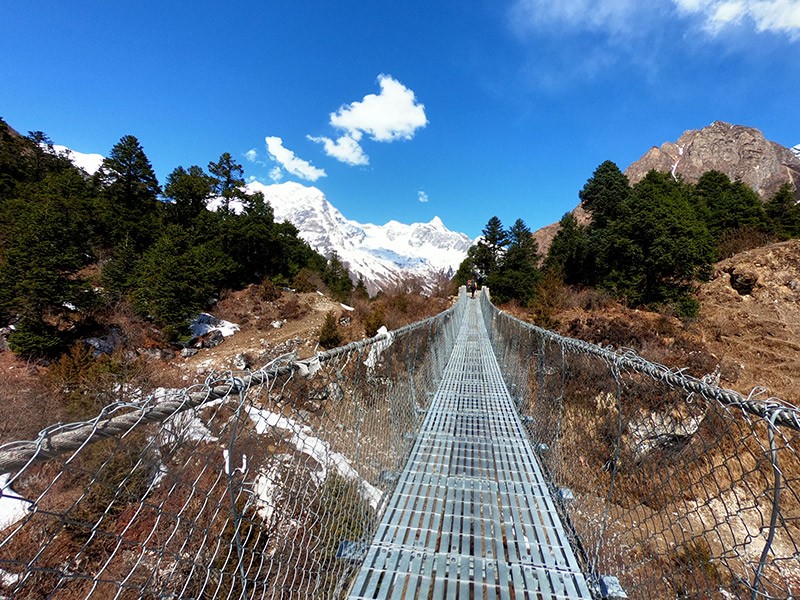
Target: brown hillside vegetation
[750, 319]
[269, 326]
[748, 330]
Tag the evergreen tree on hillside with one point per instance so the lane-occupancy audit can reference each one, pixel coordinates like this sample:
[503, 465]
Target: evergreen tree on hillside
[130, 192]
[783, 213]
[569, 254]
[228, 177]
[13, 162]
[604, 194]
[44, 247]
[728, 205]
[189, 191]
[659, 247]
[45, 159]
[490, 248]
[337, 279]
[177, 278]
[517, 275]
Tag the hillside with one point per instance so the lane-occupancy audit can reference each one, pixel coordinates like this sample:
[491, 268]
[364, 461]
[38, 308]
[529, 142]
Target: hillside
[745, 336]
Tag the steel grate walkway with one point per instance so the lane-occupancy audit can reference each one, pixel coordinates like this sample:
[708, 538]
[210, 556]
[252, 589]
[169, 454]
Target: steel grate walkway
[471, 516]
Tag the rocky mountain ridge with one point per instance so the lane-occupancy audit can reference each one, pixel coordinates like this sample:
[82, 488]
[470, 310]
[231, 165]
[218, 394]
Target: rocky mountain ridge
[738, 151]
[381, 254]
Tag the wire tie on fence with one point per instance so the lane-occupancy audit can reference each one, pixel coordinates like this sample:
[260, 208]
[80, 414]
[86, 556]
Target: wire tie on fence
[309, 367]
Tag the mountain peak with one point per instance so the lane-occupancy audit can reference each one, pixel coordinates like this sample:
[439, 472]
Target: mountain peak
[381, 254]
[739, 151]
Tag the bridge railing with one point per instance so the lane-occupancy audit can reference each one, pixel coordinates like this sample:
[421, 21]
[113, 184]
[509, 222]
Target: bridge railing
[677, 487]
[263, 484]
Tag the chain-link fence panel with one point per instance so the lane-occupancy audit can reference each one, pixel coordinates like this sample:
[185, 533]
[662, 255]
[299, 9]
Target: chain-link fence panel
[676, 487]
[264, 484]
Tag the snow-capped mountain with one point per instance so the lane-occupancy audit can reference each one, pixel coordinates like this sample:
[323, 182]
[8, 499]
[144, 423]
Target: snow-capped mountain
[88, 162]
[381, 254]
[796, 150]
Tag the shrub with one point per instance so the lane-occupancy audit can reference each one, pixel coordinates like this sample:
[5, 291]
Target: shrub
[372, 322]
[329, 335]
[269, 291]
[306, 281]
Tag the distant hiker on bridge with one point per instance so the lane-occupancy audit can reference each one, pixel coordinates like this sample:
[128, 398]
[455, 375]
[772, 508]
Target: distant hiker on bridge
[472, 287]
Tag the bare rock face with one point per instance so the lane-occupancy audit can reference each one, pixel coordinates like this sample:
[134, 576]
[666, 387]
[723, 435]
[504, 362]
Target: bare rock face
[740, 152]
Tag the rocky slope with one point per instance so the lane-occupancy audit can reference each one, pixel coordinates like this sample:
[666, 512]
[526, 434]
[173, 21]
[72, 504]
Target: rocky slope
[750, 319]
[739, 152]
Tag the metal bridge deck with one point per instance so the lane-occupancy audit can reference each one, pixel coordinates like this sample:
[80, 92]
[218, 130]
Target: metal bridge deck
[471, 516]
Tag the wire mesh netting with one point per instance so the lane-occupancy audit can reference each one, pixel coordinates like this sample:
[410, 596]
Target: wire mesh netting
[678, 488]
[271, 484]
[255, 485]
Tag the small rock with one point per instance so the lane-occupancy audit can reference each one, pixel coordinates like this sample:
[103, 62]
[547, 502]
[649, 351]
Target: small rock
[241, 362]
[188, 352]
[213, 338]
[277, 324]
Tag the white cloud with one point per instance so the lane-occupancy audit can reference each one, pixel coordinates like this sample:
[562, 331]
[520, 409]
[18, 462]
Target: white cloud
[345, 149]
[632, 17]
[581, 15]
[394, 114]
[780, 16]
[422, 196]
[276, 174]
[777, 15]
[251, 155]
[287, 159]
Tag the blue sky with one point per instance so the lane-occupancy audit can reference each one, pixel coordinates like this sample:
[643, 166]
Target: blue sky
[462, 109]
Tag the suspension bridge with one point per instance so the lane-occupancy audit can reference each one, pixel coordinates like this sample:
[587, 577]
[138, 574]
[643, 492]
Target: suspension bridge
[470, 455]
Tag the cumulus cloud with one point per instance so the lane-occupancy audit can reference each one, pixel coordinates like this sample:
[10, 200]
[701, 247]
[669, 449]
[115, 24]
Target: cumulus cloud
[780, 16]
[394, 114]
[422, 196]
[345, 149]
[287, 159]
[251, 155]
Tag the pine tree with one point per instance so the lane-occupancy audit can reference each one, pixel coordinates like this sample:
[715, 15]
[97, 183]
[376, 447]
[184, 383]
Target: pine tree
[329, 334]
[728, 205]
[176, 278]
[490, 248]
[189, 191]
[337, 279]
[605, 193]
[783, 212]
[360, 291]
[130, 191]
[228, 177]
[660, 247]
[518, 274]
[569, 253]
[44, 247]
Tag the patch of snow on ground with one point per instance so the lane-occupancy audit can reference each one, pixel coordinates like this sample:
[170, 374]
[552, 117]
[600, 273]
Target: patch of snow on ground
[204, 323]
[13, 507]
[264, 488]
[306, 443]
[8, 579]
[344, 306]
